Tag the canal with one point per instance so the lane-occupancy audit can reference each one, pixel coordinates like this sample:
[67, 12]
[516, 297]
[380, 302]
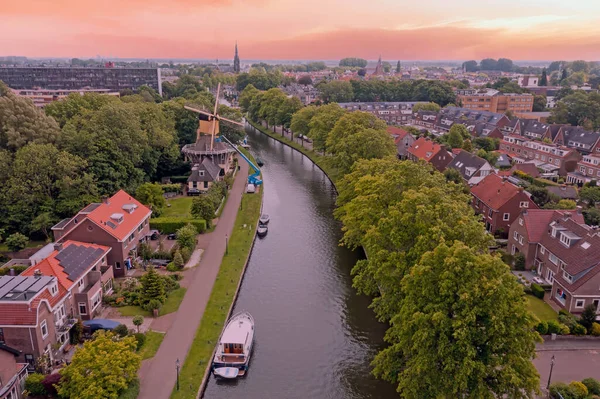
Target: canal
[315, 337]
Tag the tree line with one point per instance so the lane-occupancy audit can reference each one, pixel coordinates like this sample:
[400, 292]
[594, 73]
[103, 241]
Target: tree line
[55, 161]
[459, 326]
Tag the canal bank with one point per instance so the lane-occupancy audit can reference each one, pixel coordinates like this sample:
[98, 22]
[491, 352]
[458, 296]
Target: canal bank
[315, 337]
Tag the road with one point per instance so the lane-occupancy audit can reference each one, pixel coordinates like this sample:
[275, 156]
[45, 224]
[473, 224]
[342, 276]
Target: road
[573, 360]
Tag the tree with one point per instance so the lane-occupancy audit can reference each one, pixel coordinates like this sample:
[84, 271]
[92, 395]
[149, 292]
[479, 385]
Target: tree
[467, 145]
[480, 338]
[566, 204]
[337, 91]
[151, 194]
[578, 109]
[305, 80]
[362, 72]
[387, 67]
[186, 236]
[137, 321]
[470, 66]
[103, 368]
[301, 119]
[286, 111]
[592, 217]
[426, 107]
[246, 96]
[322, 122]
[453, 175]
[555, 66]
[505, 65]
[153, 287]
[21, 122]
[563, 75]
[178, 260]
[16, 242]
[539, 103]
[488, 64]
[353, 62]
[456, 135]
[203, 207]
[364, 144]
[269, 109]
[544, 79]
[580, 66]
[540, 195]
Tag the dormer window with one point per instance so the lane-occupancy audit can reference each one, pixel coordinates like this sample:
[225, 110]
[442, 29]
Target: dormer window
[567, 277]
[117, 217]
[565, 240]
[53, 289]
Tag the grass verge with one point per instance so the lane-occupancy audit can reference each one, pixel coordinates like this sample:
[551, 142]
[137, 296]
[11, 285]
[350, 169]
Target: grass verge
[221, 297]
[171, 305]
[541, 309]
[180, 208]
[153, 341]
[323, 161]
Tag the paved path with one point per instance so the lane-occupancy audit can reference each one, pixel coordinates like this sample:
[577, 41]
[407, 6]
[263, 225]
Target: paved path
[195, 258]
[158, 376]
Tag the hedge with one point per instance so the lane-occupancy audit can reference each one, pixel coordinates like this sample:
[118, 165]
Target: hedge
[5, 271]
[537, 291]
[169, 225]
[179, 179]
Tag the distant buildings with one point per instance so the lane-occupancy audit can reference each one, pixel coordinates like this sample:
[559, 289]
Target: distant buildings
[307, 94]
[70, 78]
[495, 101]
[393, 113]
[402, 139]
[43, 97]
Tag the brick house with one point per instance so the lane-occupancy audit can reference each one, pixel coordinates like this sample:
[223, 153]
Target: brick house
[499, 202]
[12, 373]
[566, 256]
[472, 168]
[426, 118]
[39, 307]
[119, 222]
[402, 139]
[430, 152]
[393, 113]
[588, 169]
[525, 234]
[202, 177]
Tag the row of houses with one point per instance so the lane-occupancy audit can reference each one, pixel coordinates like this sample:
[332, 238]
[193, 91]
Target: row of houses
[67, 279]
[393, 113]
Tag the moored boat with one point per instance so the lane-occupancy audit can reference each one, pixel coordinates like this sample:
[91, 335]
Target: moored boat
[262, 230]
[259, 162]
[235, 346]
[264, 219]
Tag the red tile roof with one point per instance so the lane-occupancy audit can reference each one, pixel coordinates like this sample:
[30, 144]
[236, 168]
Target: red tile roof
[537, 221]
[101, 215]
[494, 191]
[424, 149]
[398, 132]
[12, 314]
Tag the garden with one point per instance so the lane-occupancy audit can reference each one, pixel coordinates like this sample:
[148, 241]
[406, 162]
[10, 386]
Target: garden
[588, 388]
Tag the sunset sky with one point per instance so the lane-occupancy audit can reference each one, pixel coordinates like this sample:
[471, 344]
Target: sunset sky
[308, 29]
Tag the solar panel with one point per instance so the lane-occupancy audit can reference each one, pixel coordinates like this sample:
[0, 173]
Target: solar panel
[76, 259]
[111, 224]
[40, 283]
[8, 286]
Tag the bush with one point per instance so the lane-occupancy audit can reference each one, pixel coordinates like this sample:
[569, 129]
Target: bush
[140, 340]
[178, 260]
[592, 385]
[169, 225]
[553, 327]
[588, 316]
[563, 312]
[186, 254]
[595, 330]
[519, 261]
[138, 320]
[121, 330]
[542, 328]
[568, 320]
[50, 382]
[537, 291]
[176, 276]
[564, 330]
[169, 284]
[178, 179]
[172, 268]
[578, 389]
[152, 305]
[578, 329]
[5, 271]
[109, 299]
[34, 384]
[171, 188]
[16, 242]
[76, 332]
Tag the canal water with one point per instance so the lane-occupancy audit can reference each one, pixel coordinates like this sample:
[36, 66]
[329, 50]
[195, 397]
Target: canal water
[315, 337]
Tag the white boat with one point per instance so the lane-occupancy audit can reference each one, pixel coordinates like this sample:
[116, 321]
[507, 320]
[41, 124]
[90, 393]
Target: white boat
[235, 347]
[264, 219]
[262, 230]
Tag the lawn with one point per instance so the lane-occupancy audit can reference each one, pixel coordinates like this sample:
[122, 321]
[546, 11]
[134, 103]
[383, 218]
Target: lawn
[180, 208]
[323, 161]
[30, 244]
[171, 305]
[221, 297]
[541, 309]
[153, 341]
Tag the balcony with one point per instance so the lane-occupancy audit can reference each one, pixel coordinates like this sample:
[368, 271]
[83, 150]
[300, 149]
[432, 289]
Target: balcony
[65, 324]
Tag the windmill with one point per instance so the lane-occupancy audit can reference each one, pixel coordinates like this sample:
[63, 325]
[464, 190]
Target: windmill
[209, 123]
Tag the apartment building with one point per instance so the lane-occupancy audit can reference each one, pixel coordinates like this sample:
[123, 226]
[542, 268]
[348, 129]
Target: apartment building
[565, 253]
[120, 222]
[495, 101]
[588, 169]
[73, 78]
[393, 113]
[43, 97]
[550, 158]
[39, 307]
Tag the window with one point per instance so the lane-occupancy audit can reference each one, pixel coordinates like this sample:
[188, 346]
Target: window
[30, 361]
[565, 240]
[553, 258]
[81, 284]
[54, 289]
[513, 250]
[201, 172]
[82, 308]
[520, 221]
[567, 277]
[523, 204]
[521, 240]
[506, 216]
[516, 235]
[108, 286]
[1, 336]
[96, 299]
[44, 329]
[490, 213]
[542, 250]
[118, 265]
[580, 303]
[205, 184]
[132, 236]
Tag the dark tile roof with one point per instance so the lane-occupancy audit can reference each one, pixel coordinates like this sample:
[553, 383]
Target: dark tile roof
[210, 169]
[576, 134]
[467, 164]
[564, 192]
[61, 225]
[8, 349]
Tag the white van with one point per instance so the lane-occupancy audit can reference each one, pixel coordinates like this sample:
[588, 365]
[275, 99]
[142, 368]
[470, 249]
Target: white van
[250, 189]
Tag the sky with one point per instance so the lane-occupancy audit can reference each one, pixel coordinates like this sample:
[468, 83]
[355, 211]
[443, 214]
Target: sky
[302, 30]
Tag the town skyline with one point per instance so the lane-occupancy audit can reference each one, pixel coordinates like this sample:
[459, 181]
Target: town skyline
[288, 31]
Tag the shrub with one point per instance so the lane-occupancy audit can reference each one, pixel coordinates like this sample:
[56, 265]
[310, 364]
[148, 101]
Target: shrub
[130, 284]
[537, 291]
[563, 312]
[152, 305]
[595, 330]
[50, 382]
[34, 384]
[76, 332]
[169, 225]
[109, 299]
[568, 320]
[542, 328]
[178, 179]
[176, 276]
[138, 320]
[564, 330]
[5, 271]
[592, 385]
[186, 236]
[578, 329]
[171, 188]
[16, 242]
[172, 268]
[553, 327]
[185, 254]
[178, 260]
[588, 316]
[121, 330]
[140, 340]
[169, 284]
[560, 388]
[578, 389]
[519, 261]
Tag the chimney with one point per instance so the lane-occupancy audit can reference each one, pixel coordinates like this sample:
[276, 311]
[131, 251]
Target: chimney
[58, 246]
[37, 273]
[105, 200]
[521, 189]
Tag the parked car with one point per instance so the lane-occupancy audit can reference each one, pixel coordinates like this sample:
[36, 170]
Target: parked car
[250, 189]
[172, 236]
[159, 262]
[154, 234]
[91, 326]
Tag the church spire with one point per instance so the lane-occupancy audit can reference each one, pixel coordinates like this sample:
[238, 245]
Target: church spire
[236, 60]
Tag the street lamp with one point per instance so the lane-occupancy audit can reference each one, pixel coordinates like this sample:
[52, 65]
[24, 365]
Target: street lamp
[177, 365]
[242, 201]
[226, 244]
[550, 376]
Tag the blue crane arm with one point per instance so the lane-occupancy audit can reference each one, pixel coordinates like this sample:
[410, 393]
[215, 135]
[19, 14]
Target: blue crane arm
[253, 178]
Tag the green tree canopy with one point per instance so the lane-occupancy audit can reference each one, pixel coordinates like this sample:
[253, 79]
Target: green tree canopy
[203, 207]
[322, 122]
[426, 107]
[103, 368]
[338, 91]
[186, 236]
[301, 119]
[151, 194]
[353, 62]
[153, 287]
[463, 330]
